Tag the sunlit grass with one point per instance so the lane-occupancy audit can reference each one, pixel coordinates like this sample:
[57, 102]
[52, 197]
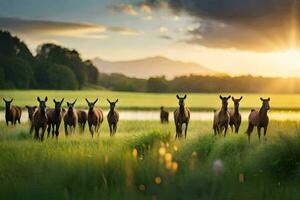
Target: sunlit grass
[149, 101]
[143, 161]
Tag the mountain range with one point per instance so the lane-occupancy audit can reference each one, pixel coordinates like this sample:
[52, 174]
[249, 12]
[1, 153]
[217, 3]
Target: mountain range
[150, 67]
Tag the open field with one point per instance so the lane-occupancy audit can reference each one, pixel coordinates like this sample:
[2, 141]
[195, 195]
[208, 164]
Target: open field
[144, 162]
[149, 101]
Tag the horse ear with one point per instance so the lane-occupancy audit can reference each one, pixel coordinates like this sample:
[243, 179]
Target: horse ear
[269, 99]
[184, 96]
[117, 101]
[68, 104]
[95, 101]
[74, 101]
[232, 98]
[87, 100]
[241, 98]
[108, 101]
[4, 99]
[62, 100]
[46, 99]
[38, 98]
[177, 96]
[27, 106]
[54, 100]
[261, 99]
[228, 97]
[221, 97]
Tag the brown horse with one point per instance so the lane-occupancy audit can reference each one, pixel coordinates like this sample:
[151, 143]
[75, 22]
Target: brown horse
[235, 116]
[221, 117]
[12, 113]
[82, 119]
[164, 115]
[95, 117]
[31, 110]
[112, 117]
[70, 118]
[39, 119]
[181, 116]
[259, 118]
[54, 117]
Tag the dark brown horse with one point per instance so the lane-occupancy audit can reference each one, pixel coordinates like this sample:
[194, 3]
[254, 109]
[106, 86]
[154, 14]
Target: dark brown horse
[95, 117]
[112, 117]
[181, 116]
[164, 115]
[54, 117]
[82, 119]
[221, 117]
[31, 110]
[70, 118]
[12, 113]
[259, 118]
[235, 115]
[39, 120]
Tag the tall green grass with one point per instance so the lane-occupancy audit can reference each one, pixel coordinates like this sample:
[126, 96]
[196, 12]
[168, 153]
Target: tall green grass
[140, 163]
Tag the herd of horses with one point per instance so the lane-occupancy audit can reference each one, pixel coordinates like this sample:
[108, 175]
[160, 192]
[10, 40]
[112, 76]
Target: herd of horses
[41, 117]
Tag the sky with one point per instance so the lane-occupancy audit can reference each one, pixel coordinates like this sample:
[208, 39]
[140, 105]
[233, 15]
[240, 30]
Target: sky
[257, 37]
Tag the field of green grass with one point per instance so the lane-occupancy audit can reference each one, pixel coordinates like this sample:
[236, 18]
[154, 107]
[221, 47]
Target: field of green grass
[149, 101]
[143, 161]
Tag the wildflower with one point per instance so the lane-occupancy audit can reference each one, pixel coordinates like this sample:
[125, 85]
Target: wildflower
[142, 187]
[168, 157]
[218, 166]
[174, 166]
[134, 153]
[175, 148]
[157, 180]
[242, 178]
[194, 154]
[162, 151]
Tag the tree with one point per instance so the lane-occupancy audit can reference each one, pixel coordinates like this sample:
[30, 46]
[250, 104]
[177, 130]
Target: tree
[61, 77]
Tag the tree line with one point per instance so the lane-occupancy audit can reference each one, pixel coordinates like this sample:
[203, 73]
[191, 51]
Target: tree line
[53, 66]
[56, 67]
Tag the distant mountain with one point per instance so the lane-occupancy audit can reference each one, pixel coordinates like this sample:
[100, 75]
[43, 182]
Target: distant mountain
[152, 66]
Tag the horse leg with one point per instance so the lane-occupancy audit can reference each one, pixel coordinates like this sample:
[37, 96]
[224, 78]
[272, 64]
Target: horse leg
[57, 130]
[115, 128]
[66, 129]
[226, 128]
[54, 127]
[231, 126]
[43, 132]
[83, 126]
[237, 128]
[91, 130]
[186, 127]
[110, 129]
[48, 129]
[36, 135]
[265, 132]
[258, 132]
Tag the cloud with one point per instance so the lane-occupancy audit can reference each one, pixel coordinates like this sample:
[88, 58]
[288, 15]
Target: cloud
[124, 30]
[254, 25]
[147, 18]
[64, 29]
[165, 37]
[124, 8]
[163, 29]
[145, 8]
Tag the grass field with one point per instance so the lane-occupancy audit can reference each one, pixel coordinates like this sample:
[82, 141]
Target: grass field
[144, 162]
[149, 101]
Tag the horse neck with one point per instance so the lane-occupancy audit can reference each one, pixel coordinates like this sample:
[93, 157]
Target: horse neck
[236, 110]
[112, 110]
[263, 111]
[223, 109]
[182, 109]
[7, 109]
[57, 112]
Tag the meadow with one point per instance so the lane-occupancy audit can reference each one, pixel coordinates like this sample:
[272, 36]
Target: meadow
[143, 161]
[149, 101]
